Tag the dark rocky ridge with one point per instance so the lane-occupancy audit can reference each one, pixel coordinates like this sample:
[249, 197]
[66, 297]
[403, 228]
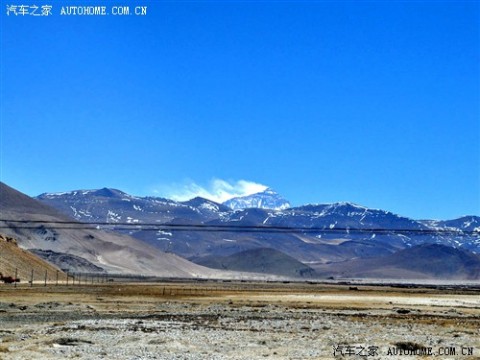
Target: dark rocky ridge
[262, 260]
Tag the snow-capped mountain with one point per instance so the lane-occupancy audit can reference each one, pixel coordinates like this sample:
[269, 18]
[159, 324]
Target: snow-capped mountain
[344, 215]
[321, 233]
[83, 248]
[267, 199]
[115, 206]
[464, 223]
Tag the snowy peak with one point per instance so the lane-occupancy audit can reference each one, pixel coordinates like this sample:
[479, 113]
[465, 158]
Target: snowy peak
[105, 192]
[465, 223]
[115, 206]
[267, 199]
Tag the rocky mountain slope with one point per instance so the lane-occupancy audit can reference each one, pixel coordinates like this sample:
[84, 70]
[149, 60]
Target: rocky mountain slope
[39, 226]
[427, 261]
[15, 261]
[115, 206]
[262, 260]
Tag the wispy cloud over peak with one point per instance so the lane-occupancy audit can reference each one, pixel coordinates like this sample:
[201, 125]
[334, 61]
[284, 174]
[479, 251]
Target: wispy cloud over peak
[217, 190]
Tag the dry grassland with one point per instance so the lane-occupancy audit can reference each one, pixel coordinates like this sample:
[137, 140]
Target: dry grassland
[237, 321]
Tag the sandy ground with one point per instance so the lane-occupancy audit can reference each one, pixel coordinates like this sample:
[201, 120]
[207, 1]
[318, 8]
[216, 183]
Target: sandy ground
[237, 321]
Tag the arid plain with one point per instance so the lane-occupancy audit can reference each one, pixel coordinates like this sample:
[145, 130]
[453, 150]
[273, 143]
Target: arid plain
[238, 320]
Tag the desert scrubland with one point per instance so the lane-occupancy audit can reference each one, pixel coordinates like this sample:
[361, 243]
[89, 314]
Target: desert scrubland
[237, 320]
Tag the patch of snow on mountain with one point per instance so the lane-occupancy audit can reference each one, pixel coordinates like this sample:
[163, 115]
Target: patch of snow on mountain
[209, 206]
[64, 193]
[267, 218]
[75, 213]
[468, 223]
[85, 213]
[113, 217]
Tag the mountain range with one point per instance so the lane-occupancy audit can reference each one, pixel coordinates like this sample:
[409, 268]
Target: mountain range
[318, 235]
[37, 226]
[256, 233]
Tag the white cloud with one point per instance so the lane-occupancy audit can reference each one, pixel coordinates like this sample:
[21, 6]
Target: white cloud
[217, 190]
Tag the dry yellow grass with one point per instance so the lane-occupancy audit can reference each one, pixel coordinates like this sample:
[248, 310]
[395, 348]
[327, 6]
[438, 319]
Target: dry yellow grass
[213, 320]
[14, 260]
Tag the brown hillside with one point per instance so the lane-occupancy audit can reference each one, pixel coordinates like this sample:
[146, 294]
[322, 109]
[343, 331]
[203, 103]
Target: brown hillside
[112, 252]
[13, 258]
[426, 261]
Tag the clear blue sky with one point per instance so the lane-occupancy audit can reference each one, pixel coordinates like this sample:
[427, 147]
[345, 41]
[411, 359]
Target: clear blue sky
[371, 102]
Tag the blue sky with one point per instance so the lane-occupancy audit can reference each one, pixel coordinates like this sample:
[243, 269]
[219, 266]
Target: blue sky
[371, 102]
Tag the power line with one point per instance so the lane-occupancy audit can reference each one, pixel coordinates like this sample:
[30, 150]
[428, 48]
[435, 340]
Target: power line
[123, 226]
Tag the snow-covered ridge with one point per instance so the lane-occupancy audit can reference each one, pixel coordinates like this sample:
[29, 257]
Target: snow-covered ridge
[69, 193]
[328, 222]
[267, 199]
[104, 192]
[101, 204]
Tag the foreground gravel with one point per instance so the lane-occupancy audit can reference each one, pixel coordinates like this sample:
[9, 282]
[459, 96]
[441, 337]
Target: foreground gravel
[233, 329]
